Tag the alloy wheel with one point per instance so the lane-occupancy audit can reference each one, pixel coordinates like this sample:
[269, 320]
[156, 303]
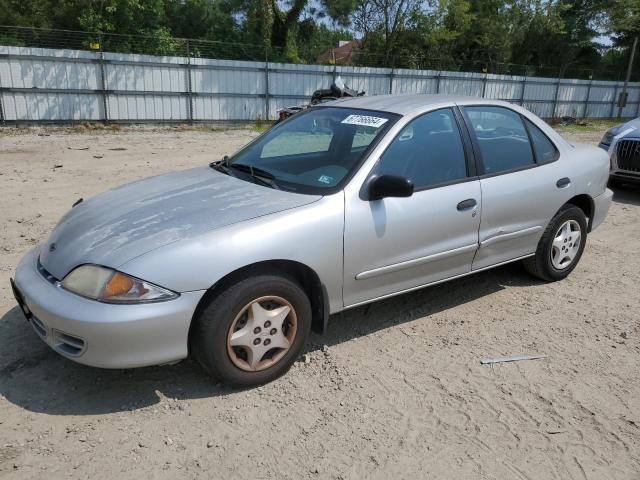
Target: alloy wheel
[262, 333]
[566, 244]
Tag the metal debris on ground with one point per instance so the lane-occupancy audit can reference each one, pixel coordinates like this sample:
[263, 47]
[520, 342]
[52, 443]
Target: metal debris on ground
[515, 358]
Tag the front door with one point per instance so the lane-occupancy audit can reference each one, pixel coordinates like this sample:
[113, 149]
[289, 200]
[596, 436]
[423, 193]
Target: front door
[397, 244]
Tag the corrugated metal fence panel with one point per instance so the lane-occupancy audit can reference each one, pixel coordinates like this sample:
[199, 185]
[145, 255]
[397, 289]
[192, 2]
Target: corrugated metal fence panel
[571, 96]
[51, 106]
[461, 83]
[373, 81]
[136, 75]
[415, 81]
[603, 92]
[147, 107]
[228, 89]
[294, 84]
[144, 87]
[146, 73]
[298, 80]
[33, 73]
[542, 90]
[504, 87]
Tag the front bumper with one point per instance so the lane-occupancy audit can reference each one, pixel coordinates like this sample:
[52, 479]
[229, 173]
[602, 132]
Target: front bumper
[102, 334]
[601, 205]
[625, 176]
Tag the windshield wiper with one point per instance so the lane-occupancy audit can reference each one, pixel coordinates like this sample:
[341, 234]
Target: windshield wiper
[258, 174]
[221, 165]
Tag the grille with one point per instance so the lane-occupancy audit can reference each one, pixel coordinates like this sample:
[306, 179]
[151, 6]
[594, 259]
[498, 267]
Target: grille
[628, 155]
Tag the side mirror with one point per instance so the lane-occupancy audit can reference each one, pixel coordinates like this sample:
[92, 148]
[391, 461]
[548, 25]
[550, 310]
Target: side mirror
[389, 186]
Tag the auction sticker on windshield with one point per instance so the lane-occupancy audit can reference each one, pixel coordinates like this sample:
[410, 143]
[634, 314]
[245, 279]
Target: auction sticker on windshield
[365, 120]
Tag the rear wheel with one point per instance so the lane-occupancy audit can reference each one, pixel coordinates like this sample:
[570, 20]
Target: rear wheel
[561, 245]
[252, 332]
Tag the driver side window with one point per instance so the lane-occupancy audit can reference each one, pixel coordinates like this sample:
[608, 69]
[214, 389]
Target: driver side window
[428, 151]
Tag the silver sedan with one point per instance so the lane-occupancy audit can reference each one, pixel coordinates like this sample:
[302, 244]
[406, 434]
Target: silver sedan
[339, 206]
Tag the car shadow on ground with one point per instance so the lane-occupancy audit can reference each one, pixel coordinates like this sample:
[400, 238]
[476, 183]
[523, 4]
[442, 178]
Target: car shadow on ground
[37, 379]
[626, 194]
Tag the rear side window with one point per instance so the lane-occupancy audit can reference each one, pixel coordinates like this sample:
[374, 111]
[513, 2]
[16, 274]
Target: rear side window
[428, 151]
[502, 138]
[544, 149]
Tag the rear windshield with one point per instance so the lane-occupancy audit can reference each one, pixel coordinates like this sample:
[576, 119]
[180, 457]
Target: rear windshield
[316, 151]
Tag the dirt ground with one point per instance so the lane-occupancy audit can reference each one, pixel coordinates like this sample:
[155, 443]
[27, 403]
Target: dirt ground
[400, 392]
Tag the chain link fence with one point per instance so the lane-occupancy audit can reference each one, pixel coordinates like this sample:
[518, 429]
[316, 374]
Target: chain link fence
[183, 47]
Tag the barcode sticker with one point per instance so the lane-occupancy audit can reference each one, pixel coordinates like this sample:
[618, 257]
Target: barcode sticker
[365, 120]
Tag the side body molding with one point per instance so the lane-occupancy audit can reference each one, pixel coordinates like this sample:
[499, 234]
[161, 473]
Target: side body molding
[415, 262]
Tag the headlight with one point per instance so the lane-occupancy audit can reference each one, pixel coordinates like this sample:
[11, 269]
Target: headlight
[607, 139]
[108, 285]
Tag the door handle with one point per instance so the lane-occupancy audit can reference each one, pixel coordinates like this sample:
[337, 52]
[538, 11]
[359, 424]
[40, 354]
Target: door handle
[563, 182]
[467, 204]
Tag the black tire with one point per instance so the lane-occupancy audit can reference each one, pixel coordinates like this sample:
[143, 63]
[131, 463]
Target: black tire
[540, 265]
[210, 333]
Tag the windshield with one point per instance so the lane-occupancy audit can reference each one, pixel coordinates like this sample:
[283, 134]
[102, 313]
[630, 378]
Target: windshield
[314, 151]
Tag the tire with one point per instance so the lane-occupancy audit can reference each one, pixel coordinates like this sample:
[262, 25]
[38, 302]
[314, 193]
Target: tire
[247, 306]
[551, 265]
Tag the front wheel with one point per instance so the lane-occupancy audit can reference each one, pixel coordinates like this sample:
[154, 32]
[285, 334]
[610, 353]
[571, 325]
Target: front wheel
[252, 332]
[561, 245]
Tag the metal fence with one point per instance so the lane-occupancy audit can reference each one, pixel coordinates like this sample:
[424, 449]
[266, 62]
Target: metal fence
[64, 85]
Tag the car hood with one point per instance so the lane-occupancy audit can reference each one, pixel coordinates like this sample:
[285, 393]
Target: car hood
[631, 129]
[121, 224]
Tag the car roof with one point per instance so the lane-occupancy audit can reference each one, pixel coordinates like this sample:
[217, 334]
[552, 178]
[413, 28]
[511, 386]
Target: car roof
[404, 104]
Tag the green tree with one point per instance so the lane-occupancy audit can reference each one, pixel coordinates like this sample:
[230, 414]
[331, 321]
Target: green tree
[202, 20]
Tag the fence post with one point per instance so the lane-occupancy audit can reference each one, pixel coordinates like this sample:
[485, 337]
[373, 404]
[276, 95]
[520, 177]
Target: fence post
[266, 83]
[189, 85]
[524, 88]
[438, 81]
[484, 83]
[585, 112]
[637, 105]
[555, 96]
[391, 75]
[103, 80]
[2, 121]
[613, 102]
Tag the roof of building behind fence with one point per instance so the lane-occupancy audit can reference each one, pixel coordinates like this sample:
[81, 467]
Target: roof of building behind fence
[407, 103]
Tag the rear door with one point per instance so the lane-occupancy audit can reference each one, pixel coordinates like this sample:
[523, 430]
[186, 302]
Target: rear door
[522, 183]
[395, 244]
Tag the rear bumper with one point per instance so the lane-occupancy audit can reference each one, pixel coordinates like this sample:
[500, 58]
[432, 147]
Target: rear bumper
[601, 205]
[100, 334]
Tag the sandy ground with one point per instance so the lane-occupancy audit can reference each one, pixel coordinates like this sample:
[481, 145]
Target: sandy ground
[400, 393]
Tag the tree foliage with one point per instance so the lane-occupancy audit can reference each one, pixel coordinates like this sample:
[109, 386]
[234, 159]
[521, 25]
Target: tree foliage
[550, 37]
